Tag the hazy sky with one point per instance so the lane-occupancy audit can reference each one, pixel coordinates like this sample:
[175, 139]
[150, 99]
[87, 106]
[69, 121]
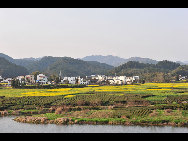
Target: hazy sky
[153, 33]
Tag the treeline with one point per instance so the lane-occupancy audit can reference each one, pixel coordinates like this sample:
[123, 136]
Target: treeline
[17, 84]
[163, 71]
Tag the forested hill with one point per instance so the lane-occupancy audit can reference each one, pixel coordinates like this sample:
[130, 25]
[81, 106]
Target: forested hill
[68, 66]
[161, 72]
[161, 66]
[158, 71]
[8, 69]
[53, 65]
[21, 62]
[10, 59]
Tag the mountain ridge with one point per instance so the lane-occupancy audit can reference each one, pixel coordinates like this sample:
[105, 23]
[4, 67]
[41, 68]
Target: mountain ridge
[67, 65]
[9, 69]
[88, 66]
[116, 61]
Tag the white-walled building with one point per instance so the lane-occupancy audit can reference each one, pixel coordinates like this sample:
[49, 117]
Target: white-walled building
[135, 78]
[129, 80]
[101, 77]
[69, 80]
[182, 77]
[21, 79]
[1, 78]
[83, 81]
[8, 81]
[119, 80]
[111, 81]
[42, 79]
[30, 79]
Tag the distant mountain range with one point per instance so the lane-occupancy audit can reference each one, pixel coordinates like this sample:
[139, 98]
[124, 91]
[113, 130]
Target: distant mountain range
[53, 65]
[117, 61]
[110, 60]
[95, 64]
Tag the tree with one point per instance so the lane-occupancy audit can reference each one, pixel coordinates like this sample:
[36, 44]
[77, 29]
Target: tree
[57, 80]
[13, 83]
[177, 78]
[143, 81]
[52, 77]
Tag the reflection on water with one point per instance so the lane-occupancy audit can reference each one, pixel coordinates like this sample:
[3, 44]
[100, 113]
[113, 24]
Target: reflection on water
[7, 125]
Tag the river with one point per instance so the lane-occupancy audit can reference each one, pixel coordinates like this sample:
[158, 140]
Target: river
[8, 125]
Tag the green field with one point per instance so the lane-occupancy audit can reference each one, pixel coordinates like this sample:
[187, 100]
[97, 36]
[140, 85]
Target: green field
[149, 103]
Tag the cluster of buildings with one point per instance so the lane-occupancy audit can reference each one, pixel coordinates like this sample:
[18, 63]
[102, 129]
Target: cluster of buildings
[87, 80]
[28, 79]
[182, 77]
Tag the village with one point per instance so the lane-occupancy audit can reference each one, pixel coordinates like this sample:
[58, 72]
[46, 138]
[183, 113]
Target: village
[42, 79]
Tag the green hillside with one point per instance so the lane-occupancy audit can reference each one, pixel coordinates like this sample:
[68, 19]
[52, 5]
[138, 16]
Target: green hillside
[68, 66]
[163, 71]
[8, 69]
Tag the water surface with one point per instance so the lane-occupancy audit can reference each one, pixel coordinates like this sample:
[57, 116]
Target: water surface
[7, 125]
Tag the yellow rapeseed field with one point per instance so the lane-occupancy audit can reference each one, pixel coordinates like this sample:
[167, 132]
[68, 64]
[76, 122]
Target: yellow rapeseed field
[157, 88]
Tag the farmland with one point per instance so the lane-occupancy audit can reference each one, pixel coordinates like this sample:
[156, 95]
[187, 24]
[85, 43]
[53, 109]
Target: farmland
[146, 104]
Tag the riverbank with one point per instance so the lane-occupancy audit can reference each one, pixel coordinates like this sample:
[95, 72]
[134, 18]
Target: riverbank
[95, 121]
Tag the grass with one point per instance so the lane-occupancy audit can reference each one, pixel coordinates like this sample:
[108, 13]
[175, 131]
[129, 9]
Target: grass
[175, 116]
[50, 116]
[159, 94]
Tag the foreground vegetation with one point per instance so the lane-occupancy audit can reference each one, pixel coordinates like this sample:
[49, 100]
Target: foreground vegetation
[145, 104]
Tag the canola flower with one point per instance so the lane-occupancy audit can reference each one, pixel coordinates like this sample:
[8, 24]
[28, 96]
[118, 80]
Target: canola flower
[158, 89]
[68, 96]
[155, 88]
[93, 85]
[57, 90]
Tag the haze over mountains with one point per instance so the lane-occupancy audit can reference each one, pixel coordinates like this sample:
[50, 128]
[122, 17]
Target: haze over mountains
[116, 61]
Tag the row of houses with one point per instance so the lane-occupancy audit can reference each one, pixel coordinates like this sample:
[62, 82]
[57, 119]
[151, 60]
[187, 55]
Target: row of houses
[92, 79]
[101, 80]
[28, 79]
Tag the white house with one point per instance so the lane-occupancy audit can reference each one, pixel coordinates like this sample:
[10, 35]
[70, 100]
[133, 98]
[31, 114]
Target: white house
[1, 78]
[83, 81]
[8, 80]
[136, 78]
[30, 79]
[182, 77]
[129, 80]
[42, 79]
[94, 77]
[21, 79]
[70, 80]
[119, 80]
[101, 77]
[111, 81]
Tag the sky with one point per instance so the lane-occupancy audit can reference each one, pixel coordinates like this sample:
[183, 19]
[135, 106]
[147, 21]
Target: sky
[156, 33]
